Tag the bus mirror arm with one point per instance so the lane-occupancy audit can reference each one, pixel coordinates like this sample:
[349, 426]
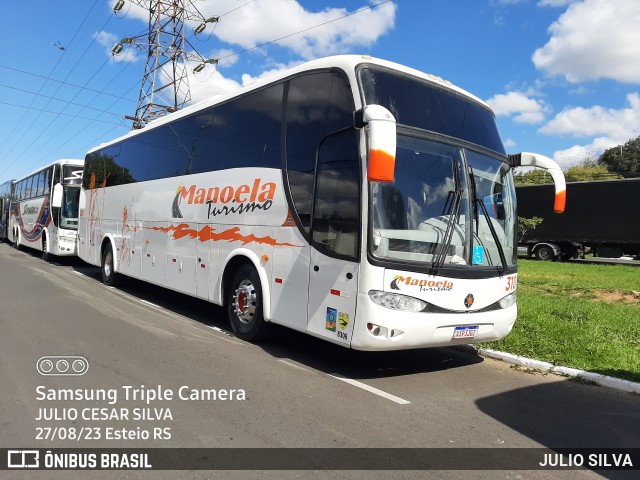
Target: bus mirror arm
[526, 159]
[56, 198]
[382, 142]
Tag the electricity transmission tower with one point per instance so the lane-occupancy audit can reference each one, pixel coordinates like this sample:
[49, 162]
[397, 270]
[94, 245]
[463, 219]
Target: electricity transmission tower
[165, 83]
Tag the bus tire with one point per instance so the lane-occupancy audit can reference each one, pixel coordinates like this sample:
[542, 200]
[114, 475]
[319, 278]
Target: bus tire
[109, 276]
[45, 248]
[244, 304]
[16, 239]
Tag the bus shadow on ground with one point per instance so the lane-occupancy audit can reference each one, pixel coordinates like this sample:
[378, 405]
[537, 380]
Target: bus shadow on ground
[334, 359]
[284, 343]
[569, 414]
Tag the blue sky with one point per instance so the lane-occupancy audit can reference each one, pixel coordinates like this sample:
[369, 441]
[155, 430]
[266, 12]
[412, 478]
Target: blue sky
[562, 75]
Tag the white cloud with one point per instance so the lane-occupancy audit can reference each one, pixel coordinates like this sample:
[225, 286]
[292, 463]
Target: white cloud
[209, 83]
[226, 56]
[594, 39]
[519, 106]
[264, 21]
[248, 79]
[608, 127]
[621, 124]
[509, 143]
[579, 153]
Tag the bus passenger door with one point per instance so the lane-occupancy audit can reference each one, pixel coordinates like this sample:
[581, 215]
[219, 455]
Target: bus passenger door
[335, 228]
[333, 289]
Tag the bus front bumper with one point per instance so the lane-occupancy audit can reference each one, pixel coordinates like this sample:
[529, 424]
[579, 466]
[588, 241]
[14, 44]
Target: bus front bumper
[379, 328]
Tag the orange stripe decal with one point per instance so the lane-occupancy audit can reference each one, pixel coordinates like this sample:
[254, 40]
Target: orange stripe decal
[207, 233]
[560, 202]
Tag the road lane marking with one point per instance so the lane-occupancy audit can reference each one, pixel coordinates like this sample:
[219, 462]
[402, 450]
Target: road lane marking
[296, 366]
[157, 307]
[369, 388]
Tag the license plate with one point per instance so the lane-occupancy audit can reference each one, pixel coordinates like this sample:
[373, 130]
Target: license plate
[465, 332]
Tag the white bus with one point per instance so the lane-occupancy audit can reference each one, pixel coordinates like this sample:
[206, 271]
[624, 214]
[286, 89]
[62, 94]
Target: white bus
[44, 209]
[353, 199]
[5, 197]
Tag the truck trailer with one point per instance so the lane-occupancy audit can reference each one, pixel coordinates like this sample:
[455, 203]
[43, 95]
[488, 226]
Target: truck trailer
[601, 217]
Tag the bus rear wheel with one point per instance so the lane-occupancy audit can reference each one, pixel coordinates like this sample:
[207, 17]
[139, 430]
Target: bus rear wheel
[109, 276]
[244, 304]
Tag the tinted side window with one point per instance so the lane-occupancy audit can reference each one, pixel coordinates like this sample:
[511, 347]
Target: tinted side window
[206, 133]
[317, 105]
[252, 132]
[336, 210]
[29, 189]
[47, 180]
[419, 103]
[103, 169]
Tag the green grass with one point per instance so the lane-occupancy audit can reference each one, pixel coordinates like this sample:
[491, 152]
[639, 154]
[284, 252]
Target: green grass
[578, 315]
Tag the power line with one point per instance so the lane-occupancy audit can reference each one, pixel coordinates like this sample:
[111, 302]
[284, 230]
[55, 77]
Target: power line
[370, 7]
[67, 83]
[51, 72]
[59, 86]
[226, 56]
[56, 99]
[56, 113]
[77, 132]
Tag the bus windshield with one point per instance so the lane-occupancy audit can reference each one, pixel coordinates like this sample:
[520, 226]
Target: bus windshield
[69, 210]
[446, 205]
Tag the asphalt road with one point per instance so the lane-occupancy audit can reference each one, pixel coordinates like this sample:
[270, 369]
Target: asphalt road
[298, 391]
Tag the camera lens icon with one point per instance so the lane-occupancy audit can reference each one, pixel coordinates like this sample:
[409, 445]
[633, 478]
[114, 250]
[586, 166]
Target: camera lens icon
[61, 365]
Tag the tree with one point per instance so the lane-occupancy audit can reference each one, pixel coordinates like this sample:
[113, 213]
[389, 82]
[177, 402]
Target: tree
[526, 224]
[532, 177]
[623, 159]
[588, 171]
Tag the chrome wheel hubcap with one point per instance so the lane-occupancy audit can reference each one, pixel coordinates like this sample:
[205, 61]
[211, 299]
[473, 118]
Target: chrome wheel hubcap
[245, 301]
[107, 264]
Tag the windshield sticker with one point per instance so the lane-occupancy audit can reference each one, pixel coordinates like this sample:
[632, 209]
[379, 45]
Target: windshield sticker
[399, 282]
[478, 254]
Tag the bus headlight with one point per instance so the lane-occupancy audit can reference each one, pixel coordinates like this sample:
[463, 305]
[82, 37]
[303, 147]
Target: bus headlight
[507, 301]
[395, 301]
[68, 238]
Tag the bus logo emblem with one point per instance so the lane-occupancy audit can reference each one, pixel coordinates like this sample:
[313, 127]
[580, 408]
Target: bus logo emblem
[468, 300]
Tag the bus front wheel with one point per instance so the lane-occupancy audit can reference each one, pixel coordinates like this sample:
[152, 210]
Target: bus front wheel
[45, 248]
[16, 240]
[244, 304]
[109, 277]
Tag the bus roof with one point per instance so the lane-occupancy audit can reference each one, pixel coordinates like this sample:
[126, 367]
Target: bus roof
[63, 161]
[347, 63]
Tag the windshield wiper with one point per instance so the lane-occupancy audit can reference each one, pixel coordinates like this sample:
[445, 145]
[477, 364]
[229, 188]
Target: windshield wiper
[503, 259]
[441, 256]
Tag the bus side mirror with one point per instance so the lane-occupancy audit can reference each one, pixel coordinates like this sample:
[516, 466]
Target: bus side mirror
[382, 142]
[56, 199]
[526, 159]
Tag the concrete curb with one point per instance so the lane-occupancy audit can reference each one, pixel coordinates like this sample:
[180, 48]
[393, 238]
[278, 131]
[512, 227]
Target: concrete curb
[545, 367]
